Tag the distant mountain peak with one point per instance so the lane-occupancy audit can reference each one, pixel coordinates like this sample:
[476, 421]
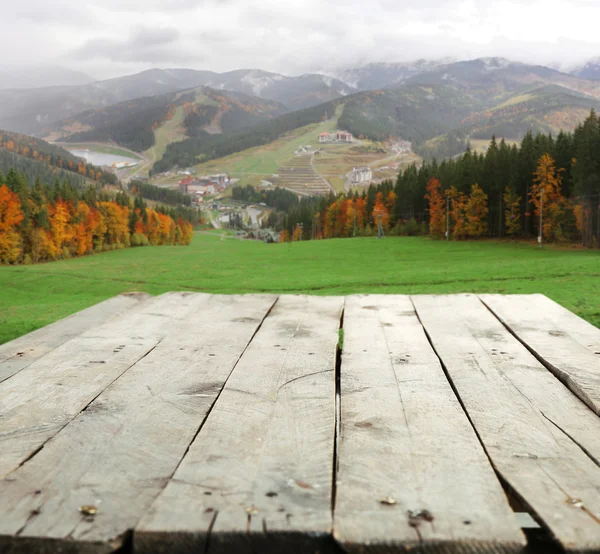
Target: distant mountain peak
[590, 70]
[381, 75]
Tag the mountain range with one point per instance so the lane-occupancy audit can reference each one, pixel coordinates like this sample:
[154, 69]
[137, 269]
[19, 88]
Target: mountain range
[35, 111]
[426, 102]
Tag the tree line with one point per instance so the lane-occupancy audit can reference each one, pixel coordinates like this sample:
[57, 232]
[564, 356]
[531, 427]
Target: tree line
[41, 222]
[565, 169]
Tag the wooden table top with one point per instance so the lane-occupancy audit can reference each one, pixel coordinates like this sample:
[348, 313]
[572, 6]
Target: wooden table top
[197, 423]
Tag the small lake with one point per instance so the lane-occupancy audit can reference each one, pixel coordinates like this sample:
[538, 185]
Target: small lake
[102, 158]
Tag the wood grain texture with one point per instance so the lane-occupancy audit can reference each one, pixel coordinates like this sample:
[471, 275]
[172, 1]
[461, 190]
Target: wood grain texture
[405, 437]
[22, 352]
[120, 453]
[539, 460]
[40, 400]
[258, 476]
[568, 346]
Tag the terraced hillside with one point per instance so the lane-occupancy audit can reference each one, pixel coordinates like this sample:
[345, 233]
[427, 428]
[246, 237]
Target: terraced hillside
[299, 175]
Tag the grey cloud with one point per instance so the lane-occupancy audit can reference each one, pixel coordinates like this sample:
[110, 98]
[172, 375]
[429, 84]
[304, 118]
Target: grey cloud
[144, 45]
[64, 12]
[157, 5]
[102, 37]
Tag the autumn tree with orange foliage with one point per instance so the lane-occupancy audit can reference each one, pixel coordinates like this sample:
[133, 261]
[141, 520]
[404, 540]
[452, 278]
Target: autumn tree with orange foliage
[381, 210]
[38, 223]
[546, 193]
[11, 215]
[437, 209]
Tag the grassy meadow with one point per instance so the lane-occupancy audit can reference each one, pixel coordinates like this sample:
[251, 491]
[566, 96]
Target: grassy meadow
[35, 295]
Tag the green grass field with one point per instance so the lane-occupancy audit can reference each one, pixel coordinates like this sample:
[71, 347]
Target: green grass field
[33, 296]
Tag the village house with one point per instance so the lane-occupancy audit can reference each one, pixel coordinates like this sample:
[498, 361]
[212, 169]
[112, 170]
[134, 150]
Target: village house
[360, 175]
[184, 184]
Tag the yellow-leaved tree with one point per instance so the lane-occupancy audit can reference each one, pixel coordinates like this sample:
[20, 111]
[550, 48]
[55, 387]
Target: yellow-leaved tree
[546, 194]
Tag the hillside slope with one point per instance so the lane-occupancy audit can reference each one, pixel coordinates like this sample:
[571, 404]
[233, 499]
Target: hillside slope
[296, 93]
[546, 109]
[437, 115]
[56, 157]
[202, 111]
[493, 79]
[38, 159]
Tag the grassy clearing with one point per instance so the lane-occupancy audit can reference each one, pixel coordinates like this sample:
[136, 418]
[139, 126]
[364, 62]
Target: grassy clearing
[170, 131]
[33, 296]
[266, 160]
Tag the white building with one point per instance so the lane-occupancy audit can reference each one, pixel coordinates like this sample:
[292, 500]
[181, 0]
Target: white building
[338, 136]
[360, 175]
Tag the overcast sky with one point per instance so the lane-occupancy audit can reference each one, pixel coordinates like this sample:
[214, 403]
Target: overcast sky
[111, 37]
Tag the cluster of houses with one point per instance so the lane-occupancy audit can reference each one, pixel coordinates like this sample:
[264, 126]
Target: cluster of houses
[360, 175]
[338, 136]
[199, 187]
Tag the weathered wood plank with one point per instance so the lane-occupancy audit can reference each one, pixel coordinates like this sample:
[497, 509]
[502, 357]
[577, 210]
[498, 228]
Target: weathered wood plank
[405, 436]
[40, 400]
[568, 346]
[539, 460]
[531, 308]
[258, 477]
[541, 388]
[22, 352]
[119, 454]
